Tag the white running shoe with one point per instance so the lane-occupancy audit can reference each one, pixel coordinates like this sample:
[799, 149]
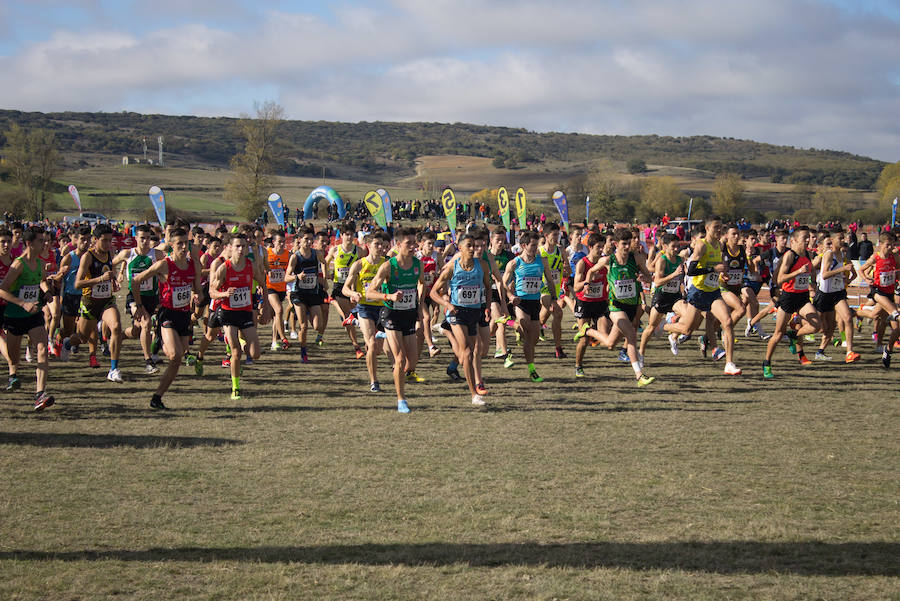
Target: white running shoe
[114, 375]
[731, 369]
[748, 330]
[293, 335]
[275, 346]
[673, 344]
[477, 400]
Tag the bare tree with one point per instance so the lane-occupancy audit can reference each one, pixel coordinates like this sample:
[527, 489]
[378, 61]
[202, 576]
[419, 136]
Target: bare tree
[252, 178]
[33, 158]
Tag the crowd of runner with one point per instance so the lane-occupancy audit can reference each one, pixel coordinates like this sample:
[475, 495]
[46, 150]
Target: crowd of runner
[197, 296]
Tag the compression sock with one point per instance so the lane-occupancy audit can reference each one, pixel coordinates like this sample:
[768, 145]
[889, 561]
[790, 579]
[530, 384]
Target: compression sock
[235, 382]
[113, 363]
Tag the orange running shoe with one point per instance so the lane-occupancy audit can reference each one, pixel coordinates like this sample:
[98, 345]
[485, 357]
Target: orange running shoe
[851, 358]
[804, 360]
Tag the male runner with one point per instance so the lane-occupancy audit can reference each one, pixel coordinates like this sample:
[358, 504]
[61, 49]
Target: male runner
[304, 268]
[795, 271]
[398, 283]
[21, 289]
[524, 277]
[668, 273]
[179, 285]
[830, 299]
[342, 256]
[97, 281]
[141, 303]
[231, 282]
[591, 297]
[551, 305]
[276, 288]
[356, 287]
[467, 277]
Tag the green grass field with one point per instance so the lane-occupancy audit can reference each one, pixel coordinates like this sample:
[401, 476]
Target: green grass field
[698, 487]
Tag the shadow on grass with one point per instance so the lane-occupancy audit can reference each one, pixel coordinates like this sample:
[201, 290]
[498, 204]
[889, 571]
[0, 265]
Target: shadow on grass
[808, 558]
[106, 441]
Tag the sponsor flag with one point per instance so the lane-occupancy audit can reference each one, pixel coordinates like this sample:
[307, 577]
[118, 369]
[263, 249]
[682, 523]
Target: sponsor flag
[386, 200]
[587, 210]
[448, 201]
[375, 204]
[503, 201]
[75, 196]
[520, 207]
[690, 206]
[158, 200]
[893, 213]
[276, 205]
[559, 199]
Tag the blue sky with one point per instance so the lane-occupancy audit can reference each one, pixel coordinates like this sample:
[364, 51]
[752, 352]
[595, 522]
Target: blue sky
[807, 73]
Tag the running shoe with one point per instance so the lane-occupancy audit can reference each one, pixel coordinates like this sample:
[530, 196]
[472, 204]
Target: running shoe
[579, 371]
[810, 338]
[560, 353]
[851, 358]
[434, 350]
[190, 359]
[481, 389]
[274, 345]
[623, 356]
[820, 356]
[477, 400]
[157, 403]
[104, 349]
[804, 360]
[198, 367]
[886, 358]
[64, 350]
[285, 344]
[749, 330]
[792, 342]
[645, 380]
[320, 340]
[226, 362]
[43, 400]
[508, 362]
[502, 320]
[380, 335]
[235, 394]
[360, 354]
[114, 375]
[673, 344]
[402, 406]
[767, 372]
[304, 358]
[718, 353]
[535, 377]
[683, 338]
[375, 387]
[541, 337]
[582, 331]
[14, 384]
[248, 360]
[294, 336]
[53, 350]
[92, 361]
[454, 375]
[518, 338]
[703, 346]
[150, 368]
[499, 353]
[414, 378]
[732, 370]
[347, 320]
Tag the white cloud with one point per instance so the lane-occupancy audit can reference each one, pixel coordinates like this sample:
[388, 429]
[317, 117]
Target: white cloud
[794, 71]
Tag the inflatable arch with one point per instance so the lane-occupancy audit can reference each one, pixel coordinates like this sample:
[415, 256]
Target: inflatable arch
[327, 193]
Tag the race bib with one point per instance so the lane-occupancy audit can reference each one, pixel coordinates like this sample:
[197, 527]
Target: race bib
[886, 278]
[102, 290]
[239, 298]
[181, 297]
[146, 285]
[276, 276]
[672, 286]
[307, 281]
[470, 295]
[407, 301]
[29, 294]
[342, 273]
[624, 289]
[594, 290]
[532, 285]
[711, 280]
[429, 278]
[801, 282]
[735, 277]
[555, 275]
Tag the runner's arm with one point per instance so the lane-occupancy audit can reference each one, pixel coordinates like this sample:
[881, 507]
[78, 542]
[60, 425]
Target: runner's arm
[437, 291]
[157, 269]
[373, 292]
[349, 288]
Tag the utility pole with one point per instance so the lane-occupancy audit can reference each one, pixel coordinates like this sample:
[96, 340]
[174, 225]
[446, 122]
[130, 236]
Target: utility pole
[160, 141]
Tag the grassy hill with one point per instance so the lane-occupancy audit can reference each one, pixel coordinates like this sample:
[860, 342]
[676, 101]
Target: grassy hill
[414, 160]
